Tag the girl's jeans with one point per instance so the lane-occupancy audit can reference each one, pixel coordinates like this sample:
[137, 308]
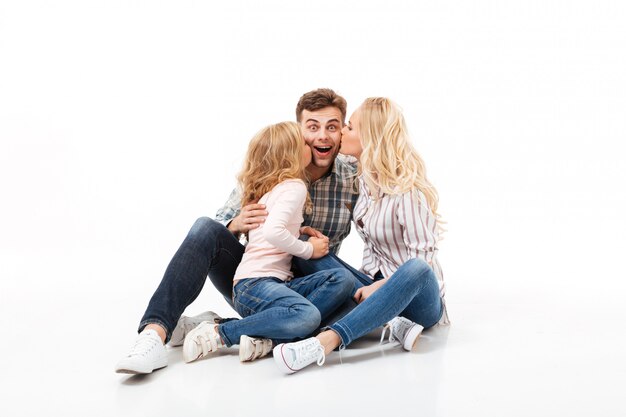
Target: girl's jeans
[284, 311]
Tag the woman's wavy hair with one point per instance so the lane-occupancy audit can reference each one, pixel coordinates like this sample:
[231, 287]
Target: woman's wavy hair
[389, 161]
[274, 155]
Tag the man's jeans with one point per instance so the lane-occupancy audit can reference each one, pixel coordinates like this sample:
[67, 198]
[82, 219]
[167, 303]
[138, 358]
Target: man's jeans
[284, 311]
[209, 249]
[411, 292]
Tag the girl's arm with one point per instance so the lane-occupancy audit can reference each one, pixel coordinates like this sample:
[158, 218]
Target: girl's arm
[287, 201]
[419, 226]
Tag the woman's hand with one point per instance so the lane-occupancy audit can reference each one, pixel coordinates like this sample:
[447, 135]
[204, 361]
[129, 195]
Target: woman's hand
[364, 292]
[320, 246]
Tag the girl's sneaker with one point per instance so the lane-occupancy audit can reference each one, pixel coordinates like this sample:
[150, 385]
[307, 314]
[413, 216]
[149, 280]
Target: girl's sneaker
[291, 357]
[201, 341]
[251, 348]
[404, 331]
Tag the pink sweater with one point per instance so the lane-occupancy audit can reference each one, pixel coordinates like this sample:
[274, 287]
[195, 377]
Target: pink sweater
[272, 245]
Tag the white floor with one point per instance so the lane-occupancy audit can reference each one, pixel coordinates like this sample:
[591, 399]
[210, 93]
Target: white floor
[510, 351]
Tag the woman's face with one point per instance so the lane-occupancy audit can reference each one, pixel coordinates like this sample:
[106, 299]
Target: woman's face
[351, 138]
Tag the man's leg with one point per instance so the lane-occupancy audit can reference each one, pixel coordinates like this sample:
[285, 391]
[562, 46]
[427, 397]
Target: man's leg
[209, 249]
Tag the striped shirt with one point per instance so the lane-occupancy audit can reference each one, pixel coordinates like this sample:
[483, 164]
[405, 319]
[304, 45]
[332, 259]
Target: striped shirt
[333, 196]
[395, 229]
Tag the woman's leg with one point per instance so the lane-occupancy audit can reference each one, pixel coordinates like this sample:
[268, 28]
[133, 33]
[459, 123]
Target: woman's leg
[414, 280]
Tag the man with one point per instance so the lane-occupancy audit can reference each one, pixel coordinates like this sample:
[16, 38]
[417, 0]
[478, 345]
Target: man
[212, 247]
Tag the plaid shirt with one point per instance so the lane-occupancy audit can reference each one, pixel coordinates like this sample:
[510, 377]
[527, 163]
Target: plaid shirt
[334, 197]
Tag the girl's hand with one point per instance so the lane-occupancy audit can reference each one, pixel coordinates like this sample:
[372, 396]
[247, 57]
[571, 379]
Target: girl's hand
[364, 292]
[308, 230]
[320, 247]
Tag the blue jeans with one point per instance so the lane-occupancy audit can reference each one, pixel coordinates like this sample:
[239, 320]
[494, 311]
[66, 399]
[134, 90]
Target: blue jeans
[284, 311]
[411, 292]
[209, 249]
[332, 261]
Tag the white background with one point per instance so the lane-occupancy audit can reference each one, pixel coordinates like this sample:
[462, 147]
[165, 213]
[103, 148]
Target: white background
[121, 122]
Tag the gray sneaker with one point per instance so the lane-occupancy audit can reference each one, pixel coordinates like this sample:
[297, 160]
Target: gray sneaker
[187, 324]
[404, 331]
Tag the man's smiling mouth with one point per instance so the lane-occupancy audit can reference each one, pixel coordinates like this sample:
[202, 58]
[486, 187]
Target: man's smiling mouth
[323, 150]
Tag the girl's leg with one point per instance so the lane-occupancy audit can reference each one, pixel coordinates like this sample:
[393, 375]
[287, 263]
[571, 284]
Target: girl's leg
[270, 310]
[326, 290]
[414, 279]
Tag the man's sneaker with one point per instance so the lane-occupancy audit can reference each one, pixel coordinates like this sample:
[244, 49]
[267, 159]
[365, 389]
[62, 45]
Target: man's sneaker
[291, 357]
[201, 341]
[404, 331]
[251, 348]
[147, 355]
[187, 324]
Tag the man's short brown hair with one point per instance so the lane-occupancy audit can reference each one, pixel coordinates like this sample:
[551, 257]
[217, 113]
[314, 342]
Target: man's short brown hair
[319, 99]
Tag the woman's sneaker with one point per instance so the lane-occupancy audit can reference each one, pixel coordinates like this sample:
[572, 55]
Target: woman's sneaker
[187, 324]
[251, 348]
[148, 354]
[201, 341]
[291, 357]
[404, 331]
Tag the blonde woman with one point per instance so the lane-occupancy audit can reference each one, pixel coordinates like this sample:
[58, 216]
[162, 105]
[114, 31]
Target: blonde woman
[396, 216]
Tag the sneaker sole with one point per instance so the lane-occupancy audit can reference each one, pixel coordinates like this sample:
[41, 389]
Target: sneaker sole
[410, 341]
[140, 371]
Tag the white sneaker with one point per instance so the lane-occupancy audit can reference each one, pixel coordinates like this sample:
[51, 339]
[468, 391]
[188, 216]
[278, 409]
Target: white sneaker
[201, 341]
[147, 355]
[251, 348]
[187, 324]
[404, 331]
[291, 357]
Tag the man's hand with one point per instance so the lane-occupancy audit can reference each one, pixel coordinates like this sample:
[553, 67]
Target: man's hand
[364, 292]
[320, 246]
[308, 230]
[250, 217]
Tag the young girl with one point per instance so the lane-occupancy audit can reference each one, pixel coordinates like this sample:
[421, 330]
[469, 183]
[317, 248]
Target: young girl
[396, 216]
[272, 304]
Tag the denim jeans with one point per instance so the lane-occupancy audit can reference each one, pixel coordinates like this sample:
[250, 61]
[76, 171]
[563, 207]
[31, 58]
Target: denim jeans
[209, 249]
[411, 292]
[332, 261]
[284, 311]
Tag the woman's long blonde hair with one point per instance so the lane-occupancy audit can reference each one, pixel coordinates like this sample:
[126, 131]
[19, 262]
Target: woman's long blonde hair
[274, 155]
[389, 162]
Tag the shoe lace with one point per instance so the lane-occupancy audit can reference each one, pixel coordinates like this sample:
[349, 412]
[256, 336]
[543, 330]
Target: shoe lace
[392, 338]
[143, 345]
[305, 354]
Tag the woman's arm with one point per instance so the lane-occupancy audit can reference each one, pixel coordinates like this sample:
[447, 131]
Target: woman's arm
[419, 226]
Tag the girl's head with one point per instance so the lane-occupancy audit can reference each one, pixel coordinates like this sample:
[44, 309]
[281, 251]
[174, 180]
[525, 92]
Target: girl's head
[389, 161]
[275, 154]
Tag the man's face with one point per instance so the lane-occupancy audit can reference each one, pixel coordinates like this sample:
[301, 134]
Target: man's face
[322, 132]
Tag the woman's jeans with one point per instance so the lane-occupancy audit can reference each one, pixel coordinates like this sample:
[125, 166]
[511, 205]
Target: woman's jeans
[411, 292]
[284, 311]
